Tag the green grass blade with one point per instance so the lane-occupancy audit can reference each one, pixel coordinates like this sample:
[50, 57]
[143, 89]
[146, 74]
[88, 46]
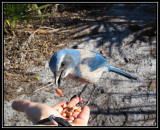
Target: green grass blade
[41, 7]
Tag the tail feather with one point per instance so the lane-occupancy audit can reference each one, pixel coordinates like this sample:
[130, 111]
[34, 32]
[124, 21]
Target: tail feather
[121, 72]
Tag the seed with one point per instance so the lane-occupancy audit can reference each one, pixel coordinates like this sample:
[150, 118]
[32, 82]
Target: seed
[60, 110]
[64, 105]
[72, 110]
[71, 106]
[68, 113]
[64, 114]
[64, 110]
[59, 92]
[78, 109]
[75, 107]
[70, 119]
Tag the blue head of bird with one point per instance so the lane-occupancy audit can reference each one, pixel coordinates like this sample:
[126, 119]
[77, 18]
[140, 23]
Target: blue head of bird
[61, 64]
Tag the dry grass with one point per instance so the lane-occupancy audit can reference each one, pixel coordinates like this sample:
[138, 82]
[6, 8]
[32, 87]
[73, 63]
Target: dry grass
[28, 47]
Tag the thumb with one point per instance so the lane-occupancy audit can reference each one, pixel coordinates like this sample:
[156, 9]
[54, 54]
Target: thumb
[20, 105]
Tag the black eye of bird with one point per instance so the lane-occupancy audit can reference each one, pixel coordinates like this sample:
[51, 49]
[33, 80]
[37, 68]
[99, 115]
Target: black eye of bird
[62, 64]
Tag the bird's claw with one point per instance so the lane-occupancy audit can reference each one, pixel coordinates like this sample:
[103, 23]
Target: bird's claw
[81, 102]
[73, 97]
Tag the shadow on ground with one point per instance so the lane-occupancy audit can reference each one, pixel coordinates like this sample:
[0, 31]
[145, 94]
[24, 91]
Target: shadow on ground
[112, 26]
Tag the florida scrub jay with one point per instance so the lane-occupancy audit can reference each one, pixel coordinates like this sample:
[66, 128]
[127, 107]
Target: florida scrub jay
[81, 65]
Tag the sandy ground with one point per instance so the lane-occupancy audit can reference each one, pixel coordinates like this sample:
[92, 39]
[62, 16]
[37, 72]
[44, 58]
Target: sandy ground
[118, 101]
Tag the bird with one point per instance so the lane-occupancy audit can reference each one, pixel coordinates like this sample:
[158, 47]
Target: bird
[82, 65]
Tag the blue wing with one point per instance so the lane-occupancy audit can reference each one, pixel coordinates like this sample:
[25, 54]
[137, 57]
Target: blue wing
[94, 62]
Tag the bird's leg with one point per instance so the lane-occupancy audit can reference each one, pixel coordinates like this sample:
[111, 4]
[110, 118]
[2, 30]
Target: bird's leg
[93, 91]
[79, 94]
[88, 101]
[82, 90]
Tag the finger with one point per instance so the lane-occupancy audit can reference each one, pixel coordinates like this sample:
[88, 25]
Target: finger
[59, 105]
[74, 101]
[84, 115]
[20, 105]
[75, 114]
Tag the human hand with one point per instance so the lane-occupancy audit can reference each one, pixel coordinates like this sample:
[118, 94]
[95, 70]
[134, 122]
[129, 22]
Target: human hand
[36, 111]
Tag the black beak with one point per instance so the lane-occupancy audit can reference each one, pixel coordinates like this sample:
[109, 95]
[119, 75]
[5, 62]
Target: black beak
[57, 76]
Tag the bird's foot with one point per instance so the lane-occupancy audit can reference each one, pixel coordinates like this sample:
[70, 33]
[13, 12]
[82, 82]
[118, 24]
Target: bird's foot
[81, 102]
[73, 97]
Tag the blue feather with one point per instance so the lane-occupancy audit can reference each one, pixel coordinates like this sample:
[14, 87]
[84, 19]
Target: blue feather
[75, 54]
[94, 62]
[55, 59]
[121, 72]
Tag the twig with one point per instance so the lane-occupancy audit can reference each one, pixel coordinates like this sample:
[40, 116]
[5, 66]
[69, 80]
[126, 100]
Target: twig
[43, 87]
[40, 29]
[31, 50]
